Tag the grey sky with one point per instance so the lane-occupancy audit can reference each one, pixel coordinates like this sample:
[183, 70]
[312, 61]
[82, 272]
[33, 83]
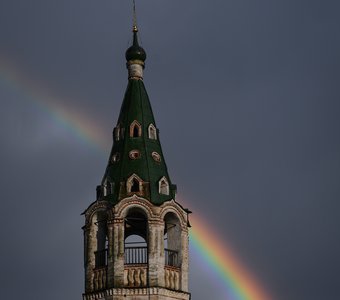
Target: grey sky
[246, 96]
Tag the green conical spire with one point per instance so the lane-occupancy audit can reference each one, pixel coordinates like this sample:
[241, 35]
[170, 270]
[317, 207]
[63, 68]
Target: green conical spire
[136, 164]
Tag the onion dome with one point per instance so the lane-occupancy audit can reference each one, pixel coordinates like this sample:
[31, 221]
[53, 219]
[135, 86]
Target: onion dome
[135, 52]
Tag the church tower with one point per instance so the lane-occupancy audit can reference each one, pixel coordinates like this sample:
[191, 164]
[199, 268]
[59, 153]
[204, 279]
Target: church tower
[135, 233]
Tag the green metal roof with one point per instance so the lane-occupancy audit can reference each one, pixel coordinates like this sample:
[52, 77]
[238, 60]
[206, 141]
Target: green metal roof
[136, 107]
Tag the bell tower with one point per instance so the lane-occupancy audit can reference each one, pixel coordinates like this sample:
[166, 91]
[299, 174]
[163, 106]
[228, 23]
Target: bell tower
[135, 233]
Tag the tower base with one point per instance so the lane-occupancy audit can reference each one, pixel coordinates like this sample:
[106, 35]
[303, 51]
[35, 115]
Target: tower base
[156, 293]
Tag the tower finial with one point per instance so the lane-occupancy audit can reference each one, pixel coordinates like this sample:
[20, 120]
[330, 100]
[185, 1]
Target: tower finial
[135, 55]
[134, 28]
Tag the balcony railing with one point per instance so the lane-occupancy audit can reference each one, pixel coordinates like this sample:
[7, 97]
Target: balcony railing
[139, 255]
[171, 258]
[101, 258]
[136, 255]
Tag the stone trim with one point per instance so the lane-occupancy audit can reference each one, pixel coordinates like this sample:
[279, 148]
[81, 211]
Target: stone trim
[137, 291]
[172, 206]
[94, 207]
[123, 206]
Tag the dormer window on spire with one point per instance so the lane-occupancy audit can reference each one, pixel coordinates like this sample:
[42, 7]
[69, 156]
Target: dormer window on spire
[135, 129]
[134, 184]
[116, 133]
[108, 187]
[163, 186]
[152, 132]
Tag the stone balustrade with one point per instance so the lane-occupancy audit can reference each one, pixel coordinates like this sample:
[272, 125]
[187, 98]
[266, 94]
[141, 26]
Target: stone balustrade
[99, 279]
[135, 276]
[172, 278]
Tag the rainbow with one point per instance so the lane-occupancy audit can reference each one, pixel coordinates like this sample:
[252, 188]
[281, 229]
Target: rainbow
[221, 258]
[205, 244]
[59, 109]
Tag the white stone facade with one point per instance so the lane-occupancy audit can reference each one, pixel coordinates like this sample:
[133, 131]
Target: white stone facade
[158, 271]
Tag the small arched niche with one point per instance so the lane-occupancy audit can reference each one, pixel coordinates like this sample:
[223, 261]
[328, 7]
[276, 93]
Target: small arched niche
[135, 237]
[172, 240]
[135, 129]
[152, 132]
[163, 186]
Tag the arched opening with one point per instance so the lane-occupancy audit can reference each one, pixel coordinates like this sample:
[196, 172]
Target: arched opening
[101, 239]
[152, 132]
[172, 240]
[135, 237]
[134, 185]
[135, 129]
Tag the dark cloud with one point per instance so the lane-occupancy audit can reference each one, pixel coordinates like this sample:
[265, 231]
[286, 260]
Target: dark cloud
[246, 96]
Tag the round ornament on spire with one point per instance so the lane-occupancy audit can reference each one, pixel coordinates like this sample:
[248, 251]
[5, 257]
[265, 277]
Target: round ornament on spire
[135, 52]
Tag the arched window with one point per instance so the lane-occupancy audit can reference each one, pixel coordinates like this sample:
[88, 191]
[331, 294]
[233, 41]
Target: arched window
[134, 184]
[135, 238]
[172, 240]
[135, 129]
[163, 186]
[152, 132]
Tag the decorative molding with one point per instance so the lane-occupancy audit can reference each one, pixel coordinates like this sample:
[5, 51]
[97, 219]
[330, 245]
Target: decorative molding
[135, 154]
[126, 204]
[94, 207]
[172, 206]
[137, 292]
